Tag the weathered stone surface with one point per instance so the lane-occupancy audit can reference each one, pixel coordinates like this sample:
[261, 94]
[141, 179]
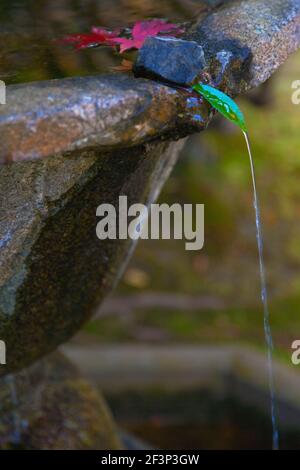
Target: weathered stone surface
[243, 43]
[252, 38]
[170, 59]
[49, 406]
[104, 112]
[54, 270]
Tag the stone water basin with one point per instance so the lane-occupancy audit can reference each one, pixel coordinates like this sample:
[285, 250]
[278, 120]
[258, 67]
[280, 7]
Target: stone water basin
[69, 144]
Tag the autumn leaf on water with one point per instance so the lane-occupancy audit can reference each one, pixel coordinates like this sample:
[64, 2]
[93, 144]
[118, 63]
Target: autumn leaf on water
[144, 29]
[97, 36]
[140, 31]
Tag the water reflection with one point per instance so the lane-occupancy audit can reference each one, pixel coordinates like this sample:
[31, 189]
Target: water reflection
[28, 31]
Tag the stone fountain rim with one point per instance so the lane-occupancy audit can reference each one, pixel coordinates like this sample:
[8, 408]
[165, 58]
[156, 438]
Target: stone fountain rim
[38, 122]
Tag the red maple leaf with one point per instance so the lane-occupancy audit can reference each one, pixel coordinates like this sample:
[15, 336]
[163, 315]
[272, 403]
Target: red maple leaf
[140, 31]
[96, 37]
[144, 29]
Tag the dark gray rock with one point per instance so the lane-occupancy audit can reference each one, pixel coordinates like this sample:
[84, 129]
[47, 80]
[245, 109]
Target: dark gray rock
[170, 59]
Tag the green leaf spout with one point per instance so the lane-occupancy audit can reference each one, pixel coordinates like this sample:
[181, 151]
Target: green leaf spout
[222, 103]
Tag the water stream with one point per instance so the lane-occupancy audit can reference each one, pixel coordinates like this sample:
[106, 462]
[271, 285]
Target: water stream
[264, 298]
[230, 110]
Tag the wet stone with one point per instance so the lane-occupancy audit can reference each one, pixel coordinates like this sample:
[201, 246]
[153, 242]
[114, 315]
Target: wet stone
[170, 59]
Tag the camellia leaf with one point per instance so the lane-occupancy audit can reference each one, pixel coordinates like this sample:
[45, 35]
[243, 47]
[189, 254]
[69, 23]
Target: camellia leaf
[222, 103]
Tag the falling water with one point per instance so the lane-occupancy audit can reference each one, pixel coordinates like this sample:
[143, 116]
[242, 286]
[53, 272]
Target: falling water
[264, 298]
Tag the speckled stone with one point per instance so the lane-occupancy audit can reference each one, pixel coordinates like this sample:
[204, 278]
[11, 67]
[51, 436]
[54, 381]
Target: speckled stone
[50, 406]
